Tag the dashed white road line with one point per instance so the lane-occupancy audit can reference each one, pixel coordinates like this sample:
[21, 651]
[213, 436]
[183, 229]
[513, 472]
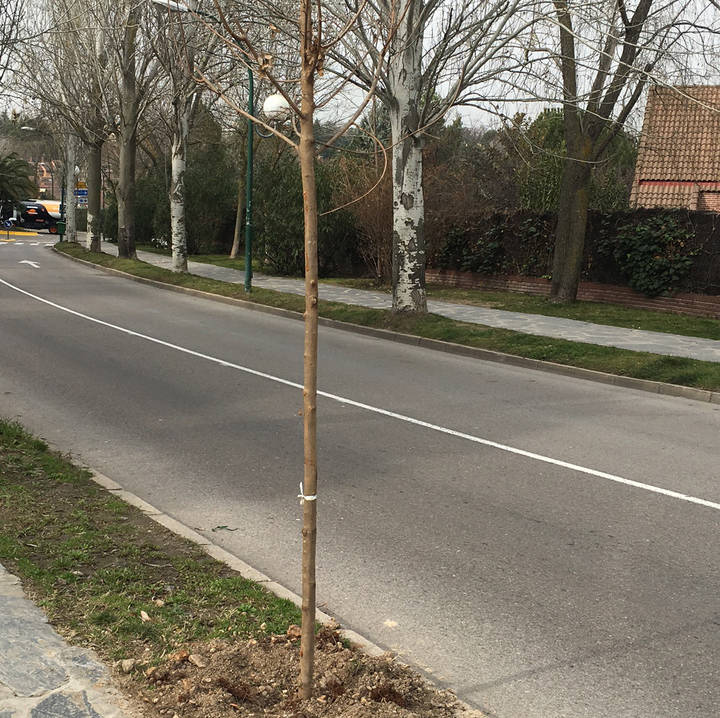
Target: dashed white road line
[382, 412]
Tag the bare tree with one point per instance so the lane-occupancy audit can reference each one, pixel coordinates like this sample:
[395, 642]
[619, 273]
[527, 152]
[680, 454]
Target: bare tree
[67, 47]
[133, 70]
[12, 13]
[176, 46]
[606, 52]
[442, 54]
[287, 45]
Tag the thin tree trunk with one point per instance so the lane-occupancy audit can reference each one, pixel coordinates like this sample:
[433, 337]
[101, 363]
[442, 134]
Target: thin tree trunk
[94, 187]
[177, 190]
[408, 256]
[306, 153]
[239, 223]
[70, 179]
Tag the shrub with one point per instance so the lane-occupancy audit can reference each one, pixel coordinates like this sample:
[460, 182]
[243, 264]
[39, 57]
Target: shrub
[280, 222]
[652, 253]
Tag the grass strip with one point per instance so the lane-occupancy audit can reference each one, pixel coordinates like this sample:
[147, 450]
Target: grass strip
[613, 315]
[641, 365]
[94, 563]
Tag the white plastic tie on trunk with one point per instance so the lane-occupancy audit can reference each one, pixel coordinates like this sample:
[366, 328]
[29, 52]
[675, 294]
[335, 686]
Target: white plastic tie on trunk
[302, 496]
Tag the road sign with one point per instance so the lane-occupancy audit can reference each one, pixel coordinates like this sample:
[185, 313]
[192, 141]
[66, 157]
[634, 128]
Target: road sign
[81, 193]
[81, 185]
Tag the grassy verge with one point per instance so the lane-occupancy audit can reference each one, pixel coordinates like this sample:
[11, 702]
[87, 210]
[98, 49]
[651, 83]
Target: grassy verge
[595, 312]
[94, 563]
[674, 370]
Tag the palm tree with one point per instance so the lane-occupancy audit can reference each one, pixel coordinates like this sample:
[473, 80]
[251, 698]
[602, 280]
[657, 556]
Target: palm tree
[15, 182]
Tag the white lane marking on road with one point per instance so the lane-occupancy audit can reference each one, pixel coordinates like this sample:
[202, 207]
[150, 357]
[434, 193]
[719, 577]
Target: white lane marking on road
[383, 412]
[35, 265]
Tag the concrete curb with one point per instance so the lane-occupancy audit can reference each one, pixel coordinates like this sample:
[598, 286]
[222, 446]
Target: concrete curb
[229, 559]
[252, 574]
[654, 387]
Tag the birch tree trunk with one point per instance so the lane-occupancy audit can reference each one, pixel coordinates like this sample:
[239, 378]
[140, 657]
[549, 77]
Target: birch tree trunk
[178, 232]
[94, 184]
[70, 213]
[405, 77]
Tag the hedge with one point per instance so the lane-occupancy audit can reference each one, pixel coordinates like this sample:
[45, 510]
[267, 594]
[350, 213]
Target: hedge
[655, 251]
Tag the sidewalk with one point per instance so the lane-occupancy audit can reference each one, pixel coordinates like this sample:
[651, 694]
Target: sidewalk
[555, 327]
[40, 675]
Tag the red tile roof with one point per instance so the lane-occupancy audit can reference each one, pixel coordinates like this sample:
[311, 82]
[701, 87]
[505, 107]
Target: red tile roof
[679, 147]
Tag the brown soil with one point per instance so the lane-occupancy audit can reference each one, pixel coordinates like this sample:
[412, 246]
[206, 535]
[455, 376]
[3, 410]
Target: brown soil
[259, 678]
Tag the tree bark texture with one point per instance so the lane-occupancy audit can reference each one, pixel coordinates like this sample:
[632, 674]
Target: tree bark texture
[126, 198]
[94, 184]
[405, 77]
[306, 152]
[128, 143]
[70, 213]
[570, 231]
[177, 188]
[239, 224]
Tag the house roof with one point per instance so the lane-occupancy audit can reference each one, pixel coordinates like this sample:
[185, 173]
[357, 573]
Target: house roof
[681, 134]
[679, 145]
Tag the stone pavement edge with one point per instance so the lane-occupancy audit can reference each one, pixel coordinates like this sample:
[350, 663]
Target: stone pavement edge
[41, 676]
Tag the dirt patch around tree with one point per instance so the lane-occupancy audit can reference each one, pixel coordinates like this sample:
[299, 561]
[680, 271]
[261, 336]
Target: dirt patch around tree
[219, 678]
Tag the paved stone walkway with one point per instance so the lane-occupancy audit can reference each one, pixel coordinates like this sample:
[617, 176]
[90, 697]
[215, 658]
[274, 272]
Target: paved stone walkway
[40, 675]
[555, 327]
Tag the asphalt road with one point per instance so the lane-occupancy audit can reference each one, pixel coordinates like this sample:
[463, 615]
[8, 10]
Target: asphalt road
[534, 589]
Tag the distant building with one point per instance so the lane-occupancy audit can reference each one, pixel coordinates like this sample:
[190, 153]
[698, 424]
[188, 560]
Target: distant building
[678, 163]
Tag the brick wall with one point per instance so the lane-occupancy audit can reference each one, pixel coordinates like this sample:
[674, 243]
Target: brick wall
[699, 305]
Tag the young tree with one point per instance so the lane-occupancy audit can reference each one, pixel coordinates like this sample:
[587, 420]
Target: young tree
[287, 45]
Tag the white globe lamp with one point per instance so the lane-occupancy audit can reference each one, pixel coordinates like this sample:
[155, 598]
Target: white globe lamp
[276, 108]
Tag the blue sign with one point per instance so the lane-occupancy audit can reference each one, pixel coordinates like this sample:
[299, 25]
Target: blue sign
[81, 193]
[7, 224]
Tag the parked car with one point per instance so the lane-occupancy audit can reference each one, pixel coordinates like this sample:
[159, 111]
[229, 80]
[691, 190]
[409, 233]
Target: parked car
[34, 215]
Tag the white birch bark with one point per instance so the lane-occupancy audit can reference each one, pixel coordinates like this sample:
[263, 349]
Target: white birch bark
[404, 84]
[177, 188]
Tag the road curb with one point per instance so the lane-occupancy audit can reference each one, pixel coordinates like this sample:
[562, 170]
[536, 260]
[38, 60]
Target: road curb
[229, 559]
[654, 387]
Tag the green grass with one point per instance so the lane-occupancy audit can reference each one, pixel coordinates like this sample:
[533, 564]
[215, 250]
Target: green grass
[220, 260]
[594, 312]
[674, 370]
[94, 563]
